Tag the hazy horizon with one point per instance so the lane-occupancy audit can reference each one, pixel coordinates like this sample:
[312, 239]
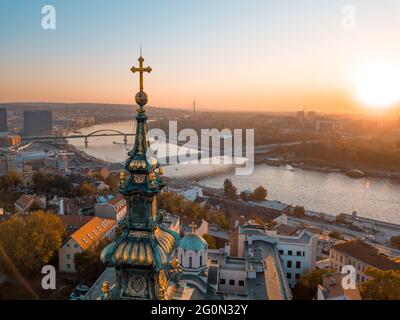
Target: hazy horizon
[229, 55]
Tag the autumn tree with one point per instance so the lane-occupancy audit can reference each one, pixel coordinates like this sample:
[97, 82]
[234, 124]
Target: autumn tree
[229, 189]
[177, 204]
[88, 264]
[385, 285]
[85, 189]
[259, 194]
[10, 180]
[307, 285]
[299, 211]
[395, 242]
[29, 242]
[113, 182]
[336, 235]
[212, 244]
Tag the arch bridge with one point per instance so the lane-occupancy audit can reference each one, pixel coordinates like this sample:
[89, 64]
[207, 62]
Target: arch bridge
[97, 133]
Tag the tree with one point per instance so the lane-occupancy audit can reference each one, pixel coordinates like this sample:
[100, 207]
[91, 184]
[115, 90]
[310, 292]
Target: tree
[88, 264]
[174, 203]
[51, 184]
[229, 189]
[299, 211]
[395, 242]
[113, 182]
[259, 194]
[10, 180]
[29, 242]
[341, 218]
[85, 189]
[35, 207]
[385, 285]
[336, 235]
[212, 244]
[307, 285]
[245, 196]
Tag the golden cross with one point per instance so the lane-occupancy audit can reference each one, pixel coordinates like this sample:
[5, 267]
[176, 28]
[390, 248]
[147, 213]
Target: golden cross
[141, 70]
[193, 226]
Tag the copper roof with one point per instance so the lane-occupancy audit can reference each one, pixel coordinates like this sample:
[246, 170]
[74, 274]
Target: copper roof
[73, 223]
[367, 254]
[90, 232]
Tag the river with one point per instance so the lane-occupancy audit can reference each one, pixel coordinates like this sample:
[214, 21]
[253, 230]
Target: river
[331, 193]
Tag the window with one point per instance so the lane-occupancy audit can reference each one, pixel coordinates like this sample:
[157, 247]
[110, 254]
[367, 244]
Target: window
[289, 275]
[289, 252]
[221, 281]
[241, 283]
[190, 262]
[68, 266]
[298, 253]
[298, 264]
[297, 275]
[341, 258]
[231, 282]
[75, 245]
[289, 264]
[68, 256]
[281, 252]
[201, 260]
[68, 245]
[358, 277]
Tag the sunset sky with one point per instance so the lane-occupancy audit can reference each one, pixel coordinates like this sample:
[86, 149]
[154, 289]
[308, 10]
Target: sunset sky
[229, 54]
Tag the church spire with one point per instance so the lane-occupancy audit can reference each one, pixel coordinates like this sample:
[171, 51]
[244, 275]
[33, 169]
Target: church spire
[142, 255]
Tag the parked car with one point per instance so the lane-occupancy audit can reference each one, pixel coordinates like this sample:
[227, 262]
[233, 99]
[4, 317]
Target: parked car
[79, 292]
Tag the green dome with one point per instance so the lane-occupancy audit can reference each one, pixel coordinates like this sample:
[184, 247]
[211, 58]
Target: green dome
[193, 242]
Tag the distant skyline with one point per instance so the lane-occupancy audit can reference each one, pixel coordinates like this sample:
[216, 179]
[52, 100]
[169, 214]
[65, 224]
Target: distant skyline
[235, 55]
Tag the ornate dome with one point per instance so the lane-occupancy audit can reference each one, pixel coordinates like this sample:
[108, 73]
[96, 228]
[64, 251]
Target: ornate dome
[193, 242]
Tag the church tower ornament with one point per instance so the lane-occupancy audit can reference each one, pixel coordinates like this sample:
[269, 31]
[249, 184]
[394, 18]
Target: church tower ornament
[142, 255]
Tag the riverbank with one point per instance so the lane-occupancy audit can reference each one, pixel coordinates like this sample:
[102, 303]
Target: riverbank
[329, 167]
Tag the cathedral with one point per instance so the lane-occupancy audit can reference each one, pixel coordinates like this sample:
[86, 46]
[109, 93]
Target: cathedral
[142, 256]
[149, 260]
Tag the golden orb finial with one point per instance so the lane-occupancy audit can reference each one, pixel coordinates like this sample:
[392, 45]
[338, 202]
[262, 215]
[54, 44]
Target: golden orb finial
[106, 287]
[122, 177]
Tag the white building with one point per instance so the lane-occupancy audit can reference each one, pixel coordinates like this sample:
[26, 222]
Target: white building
[192, 193]
[296, 247]
[82, 234]
[111, 207]
[361, 256]
[258, 275]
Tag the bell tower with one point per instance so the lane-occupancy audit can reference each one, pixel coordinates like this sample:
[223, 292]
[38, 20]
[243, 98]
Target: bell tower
[142, 255]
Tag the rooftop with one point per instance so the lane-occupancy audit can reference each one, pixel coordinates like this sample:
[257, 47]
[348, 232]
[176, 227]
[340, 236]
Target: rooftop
[25, 201]
[367, 254]
[87, 231]
[73, 223]
[332, 288]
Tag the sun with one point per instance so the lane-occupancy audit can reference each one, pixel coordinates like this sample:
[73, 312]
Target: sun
[377, 85]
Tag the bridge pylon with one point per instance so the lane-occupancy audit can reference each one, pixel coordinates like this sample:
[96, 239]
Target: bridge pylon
[86, 142]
